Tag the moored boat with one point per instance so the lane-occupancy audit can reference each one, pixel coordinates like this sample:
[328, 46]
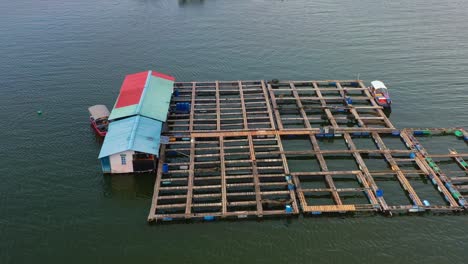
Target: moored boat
[99, 115]
[380, 93]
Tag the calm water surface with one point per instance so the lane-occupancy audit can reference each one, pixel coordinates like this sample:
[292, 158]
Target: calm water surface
[62, 56]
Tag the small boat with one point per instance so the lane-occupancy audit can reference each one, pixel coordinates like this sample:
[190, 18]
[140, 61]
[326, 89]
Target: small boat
[380, 93]
[99, 115]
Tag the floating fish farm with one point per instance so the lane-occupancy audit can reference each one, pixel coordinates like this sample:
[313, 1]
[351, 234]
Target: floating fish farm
[253, 149]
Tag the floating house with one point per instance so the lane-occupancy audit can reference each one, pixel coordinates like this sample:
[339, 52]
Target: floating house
[136, 121]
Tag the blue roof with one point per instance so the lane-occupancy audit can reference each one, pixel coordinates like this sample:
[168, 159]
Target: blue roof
[137, 133]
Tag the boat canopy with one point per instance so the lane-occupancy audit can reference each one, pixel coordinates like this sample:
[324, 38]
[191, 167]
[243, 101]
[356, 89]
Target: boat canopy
[98, 111]
[378, 85]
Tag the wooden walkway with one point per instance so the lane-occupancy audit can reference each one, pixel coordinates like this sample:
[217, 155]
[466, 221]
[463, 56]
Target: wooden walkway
[229, 155]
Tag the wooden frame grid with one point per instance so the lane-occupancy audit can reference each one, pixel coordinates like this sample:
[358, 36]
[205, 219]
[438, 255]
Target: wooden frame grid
[315, 104]
[220, 106]
[222, 176]
[454, 186]
[228, 155]
[246, 173]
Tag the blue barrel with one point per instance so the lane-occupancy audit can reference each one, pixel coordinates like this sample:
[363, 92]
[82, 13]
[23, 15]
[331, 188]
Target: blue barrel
[466, 138]
[349, 100]
[396, 133]
[418, 132]
[167, 219]
[290, 186]
[412, 155]
[288, 208]
[183, 107]
[165, 168]
[287, 177]
[379, 192]
[332, 84]
[426, 203]
[209, 218]
[179, 106]
[176, 92]
[365, 134]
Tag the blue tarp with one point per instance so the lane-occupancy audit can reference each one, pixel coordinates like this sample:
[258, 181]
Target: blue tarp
[135, 133]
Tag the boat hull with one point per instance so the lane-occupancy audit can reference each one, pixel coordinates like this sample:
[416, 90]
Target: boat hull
[96, 129]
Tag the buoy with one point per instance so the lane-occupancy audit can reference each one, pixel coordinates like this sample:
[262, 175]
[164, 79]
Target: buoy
[379, 192]
[426, 203]
[458, 133]
[209, 218]
[39, 112]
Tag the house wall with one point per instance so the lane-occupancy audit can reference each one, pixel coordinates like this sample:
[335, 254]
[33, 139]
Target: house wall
[116, 162]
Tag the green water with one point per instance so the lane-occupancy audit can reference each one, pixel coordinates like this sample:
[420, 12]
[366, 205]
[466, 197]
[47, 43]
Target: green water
[62, 56]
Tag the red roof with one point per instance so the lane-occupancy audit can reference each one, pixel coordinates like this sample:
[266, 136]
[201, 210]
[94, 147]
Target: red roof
[133, 86]
[131, 90]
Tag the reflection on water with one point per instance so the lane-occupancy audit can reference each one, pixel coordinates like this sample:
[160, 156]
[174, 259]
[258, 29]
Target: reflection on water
[129, 185]
[191, 2]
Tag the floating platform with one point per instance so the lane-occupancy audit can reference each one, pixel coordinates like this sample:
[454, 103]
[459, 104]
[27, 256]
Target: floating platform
[255, 149]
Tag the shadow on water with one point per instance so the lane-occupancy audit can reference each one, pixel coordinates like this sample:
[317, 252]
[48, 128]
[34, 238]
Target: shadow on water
[387, 111]
[129, 185]
[98, 139]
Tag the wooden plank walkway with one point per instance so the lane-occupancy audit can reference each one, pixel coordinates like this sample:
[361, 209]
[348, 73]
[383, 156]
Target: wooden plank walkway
[229, 155]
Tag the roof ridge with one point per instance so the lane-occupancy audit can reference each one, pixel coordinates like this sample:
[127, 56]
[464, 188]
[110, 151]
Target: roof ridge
[142, 96]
